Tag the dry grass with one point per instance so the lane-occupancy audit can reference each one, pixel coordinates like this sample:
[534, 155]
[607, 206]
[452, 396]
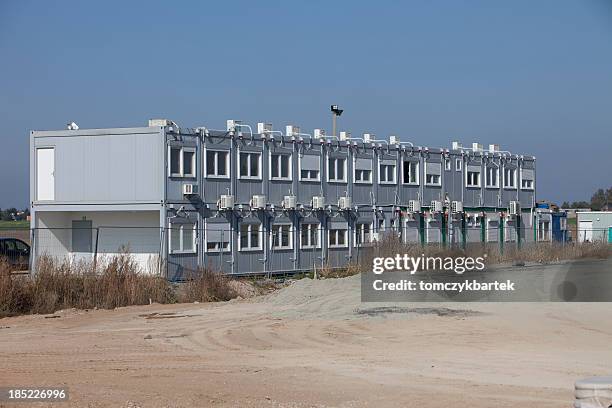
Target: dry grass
[328, 272]
[119, 282]
[207, 286]
[529, 252]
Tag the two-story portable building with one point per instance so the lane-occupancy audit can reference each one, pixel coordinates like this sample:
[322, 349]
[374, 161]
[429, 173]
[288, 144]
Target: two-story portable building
[245, 200]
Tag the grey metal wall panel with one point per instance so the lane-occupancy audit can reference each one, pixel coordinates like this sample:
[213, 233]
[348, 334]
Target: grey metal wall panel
[107, 168]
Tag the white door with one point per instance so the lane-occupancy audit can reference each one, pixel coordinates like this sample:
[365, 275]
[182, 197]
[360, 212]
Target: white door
[585, 231]
[45, 174]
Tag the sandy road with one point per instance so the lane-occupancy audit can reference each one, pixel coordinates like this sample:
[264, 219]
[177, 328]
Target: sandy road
[312, 344]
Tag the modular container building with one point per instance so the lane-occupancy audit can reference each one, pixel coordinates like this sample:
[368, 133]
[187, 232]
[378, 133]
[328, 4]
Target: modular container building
[245, 200]
[594, 226]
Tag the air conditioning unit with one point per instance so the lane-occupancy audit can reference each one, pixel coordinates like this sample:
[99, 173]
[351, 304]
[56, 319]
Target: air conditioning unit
[226, 202]
[457, 207]
[318, 202]
[394, 140]
[514, 208]
[190, 189]
[160, 122]
[263, 128]
[258, 202]
[414, 206]
[345, 135]
[290, 202]
[231, 125]
[435, 206]
[292, 130]
[319, 133]
[344, 203]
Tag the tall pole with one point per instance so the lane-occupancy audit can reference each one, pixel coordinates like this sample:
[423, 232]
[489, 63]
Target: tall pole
[333, 123]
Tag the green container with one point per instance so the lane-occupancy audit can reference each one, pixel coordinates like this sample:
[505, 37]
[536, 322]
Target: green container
[609, 235]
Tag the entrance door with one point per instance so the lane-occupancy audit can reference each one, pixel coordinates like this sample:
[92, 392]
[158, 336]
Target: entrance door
[82, 236]
[45, 174]
[585, 231]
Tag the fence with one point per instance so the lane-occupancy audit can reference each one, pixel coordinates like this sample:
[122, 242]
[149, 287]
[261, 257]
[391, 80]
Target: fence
[253, 249]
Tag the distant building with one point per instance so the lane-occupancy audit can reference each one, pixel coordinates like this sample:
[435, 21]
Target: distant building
[594, 226]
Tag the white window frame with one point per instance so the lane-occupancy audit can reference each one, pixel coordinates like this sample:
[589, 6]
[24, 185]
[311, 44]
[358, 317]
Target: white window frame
[250, 158]
[488, 183]
[369, 179]
[216, 164]
[281, 248]
[418, 169]
[181, 228]
[337, 180]
[317, 228]
[220, 248]
[506, 186]
[182, 150]
[249, 233]
[355, 170]
[359, 233]
[467, 179]
[532, 182]
[337, 231]
[439, 183]
[447, 164]
[387, 182]
[458, 164]
[290, 163]
[307, 179]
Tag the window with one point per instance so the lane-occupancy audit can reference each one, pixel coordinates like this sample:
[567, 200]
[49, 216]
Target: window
[458, 164]
[509, 178]
[182, 162]
[362, 233]
[309, 235]
[447, 164]
[432, 174]
[218, 236]
[250, 237]
[410, 172]
[336, 169]
[386, 172]
[182, 238]
[527, 177]
[175, 161]
[309, 168]
[362, 170]
[433, 180]
[188, 163]
[363, 176]
[217, 163]
[280, 166]
[281, 236]
[472, 179]
[337, 238]
[250, 165]
[492, 177]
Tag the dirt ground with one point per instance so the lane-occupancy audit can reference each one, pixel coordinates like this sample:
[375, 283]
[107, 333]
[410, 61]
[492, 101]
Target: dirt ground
[312, 344]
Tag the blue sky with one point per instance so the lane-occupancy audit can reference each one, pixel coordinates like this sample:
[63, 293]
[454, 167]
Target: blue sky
[534, 77]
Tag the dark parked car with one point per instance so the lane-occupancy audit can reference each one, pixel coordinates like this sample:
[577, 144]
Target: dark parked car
[16, 252]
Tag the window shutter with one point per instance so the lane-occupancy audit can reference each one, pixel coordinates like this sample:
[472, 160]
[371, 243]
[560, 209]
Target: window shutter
[309, 162]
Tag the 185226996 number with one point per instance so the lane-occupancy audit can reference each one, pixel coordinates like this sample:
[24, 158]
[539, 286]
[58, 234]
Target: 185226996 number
[33, 394]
